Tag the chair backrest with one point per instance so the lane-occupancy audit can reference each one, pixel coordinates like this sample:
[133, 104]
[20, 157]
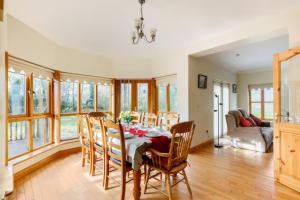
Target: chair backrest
[94, 124]
[149, 119]
[136, 117]
[182, 135]
[115, 144]
[83, 132]
[167, 119]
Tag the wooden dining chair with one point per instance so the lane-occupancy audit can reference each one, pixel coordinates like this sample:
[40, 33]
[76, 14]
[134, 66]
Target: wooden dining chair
[115, 154]
[167, 119]
[136, 117]
[175, 161]
[84, 141]
[149, 119]
[96, 138]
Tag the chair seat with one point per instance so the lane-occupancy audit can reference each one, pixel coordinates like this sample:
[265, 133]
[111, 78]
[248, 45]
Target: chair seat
[164, 166]
[117, 162]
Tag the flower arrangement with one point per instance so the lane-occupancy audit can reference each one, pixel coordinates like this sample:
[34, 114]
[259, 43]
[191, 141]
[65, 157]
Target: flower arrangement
[126, 117]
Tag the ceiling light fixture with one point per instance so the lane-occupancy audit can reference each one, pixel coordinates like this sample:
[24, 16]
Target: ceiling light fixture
[139, 25]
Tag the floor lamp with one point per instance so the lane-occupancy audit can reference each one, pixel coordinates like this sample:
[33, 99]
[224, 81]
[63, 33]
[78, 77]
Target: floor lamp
[218, 111]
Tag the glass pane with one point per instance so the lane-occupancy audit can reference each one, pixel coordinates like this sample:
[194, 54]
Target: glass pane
[173, 98]
[41, 132]
[41, 95]
[256, 109]
[268, 94]
[69, 96]
[290, 90]
[87, 97]
[268, 110]
[104, 98]
[225, 102]
[17, 138]
[126, 97]
[16, 93]
[162, 98]
[68, 127]
[256, 95]
[142, 97]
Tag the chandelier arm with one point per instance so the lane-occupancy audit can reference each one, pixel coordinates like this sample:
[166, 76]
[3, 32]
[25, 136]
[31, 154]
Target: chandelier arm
[136, 41]
[149, 41]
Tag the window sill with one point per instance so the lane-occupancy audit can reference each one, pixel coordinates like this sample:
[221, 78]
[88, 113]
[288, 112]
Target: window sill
[40, 151]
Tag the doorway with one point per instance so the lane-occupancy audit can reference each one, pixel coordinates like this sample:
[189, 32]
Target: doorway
[221, 107]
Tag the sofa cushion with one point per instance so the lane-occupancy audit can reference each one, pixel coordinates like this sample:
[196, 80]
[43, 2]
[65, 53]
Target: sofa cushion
[245, 122]
[236, 115]
[256, 119]
[244, 113]
[251, 121]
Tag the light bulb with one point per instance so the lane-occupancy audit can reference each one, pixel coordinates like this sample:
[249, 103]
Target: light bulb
[138, 22]
[153, 32]
[133, 35]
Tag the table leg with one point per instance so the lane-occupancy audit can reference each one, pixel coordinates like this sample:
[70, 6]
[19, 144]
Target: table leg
[137, 184]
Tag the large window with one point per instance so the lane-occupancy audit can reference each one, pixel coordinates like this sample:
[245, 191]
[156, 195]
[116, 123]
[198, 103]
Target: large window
[104, 98]
[162, 98]
[69, 97]
[87, 97]
[173, 98]
[142, 90]
[125, 96]
[29, 115]
[16, 93]
[261, 101]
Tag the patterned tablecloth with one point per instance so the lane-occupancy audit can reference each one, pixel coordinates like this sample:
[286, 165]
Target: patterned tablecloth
[136, 146]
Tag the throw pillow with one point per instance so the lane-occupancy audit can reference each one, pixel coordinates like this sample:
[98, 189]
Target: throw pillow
[256, 119]
[251, 121]
[244, 122]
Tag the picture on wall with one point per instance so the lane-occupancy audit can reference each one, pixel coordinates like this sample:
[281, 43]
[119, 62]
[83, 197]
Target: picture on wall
[202, 81]
[234, 88]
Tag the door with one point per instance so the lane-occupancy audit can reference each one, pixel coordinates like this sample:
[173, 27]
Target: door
[222, 92]
[287, 118]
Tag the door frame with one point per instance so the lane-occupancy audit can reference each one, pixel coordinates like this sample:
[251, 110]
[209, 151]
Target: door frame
[279, 127]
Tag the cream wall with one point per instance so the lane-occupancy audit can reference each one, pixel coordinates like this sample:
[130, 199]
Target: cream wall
[201, 100]
[251, 78]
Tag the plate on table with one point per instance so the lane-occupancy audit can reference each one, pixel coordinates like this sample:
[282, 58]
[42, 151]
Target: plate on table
[128, 135]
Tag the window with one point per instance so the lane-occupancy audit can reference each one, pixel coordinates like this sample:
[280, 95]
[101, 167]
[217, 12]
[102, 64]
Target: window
[16, 93]
[17, 138]
[69, 97]
[104, 98]
[261, 101]
[40, 95]
[41, 132]
[126, 97]
[142, 97]
[68, 127]
[29, 115]
[87, 97]
[173, 98]
[162, 98]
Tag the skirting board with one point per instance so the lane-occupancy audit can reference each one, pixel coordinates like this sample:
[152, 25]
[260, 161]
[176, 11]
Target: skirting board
[44, 162]
[202, 145]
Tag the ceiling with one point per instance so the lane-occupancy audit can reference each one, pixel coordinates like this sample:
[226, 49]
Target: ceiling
[251, 57]
[104, 26]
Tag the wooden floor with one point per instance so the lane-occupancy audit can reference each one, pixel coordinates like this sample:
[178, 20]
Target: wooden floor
[213, 175]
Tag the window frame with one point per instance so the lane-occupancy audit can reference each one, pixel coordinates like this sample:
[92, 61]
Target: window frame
[262, 101]
[29, 115]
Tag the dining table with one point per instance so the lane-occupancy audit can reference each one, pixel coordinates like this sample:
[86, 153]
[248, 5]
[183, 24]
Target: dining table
[138, 139]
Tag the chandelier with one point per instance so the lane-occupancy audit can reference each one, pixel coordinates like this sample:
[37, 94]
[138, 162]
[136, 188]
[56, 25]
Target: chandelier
[139, 25]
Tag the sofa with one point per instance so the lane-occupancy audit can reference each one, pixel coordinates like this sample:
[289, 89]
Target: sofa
[256, 138]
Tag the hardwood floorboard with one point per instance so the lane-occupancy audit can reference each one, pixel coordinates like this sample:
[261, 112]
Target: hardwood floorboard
[224, 174]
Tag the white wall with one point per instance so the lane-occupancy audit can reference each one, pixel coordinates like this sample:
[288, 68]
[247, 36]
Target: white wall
[201, 100]
[251, 78]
